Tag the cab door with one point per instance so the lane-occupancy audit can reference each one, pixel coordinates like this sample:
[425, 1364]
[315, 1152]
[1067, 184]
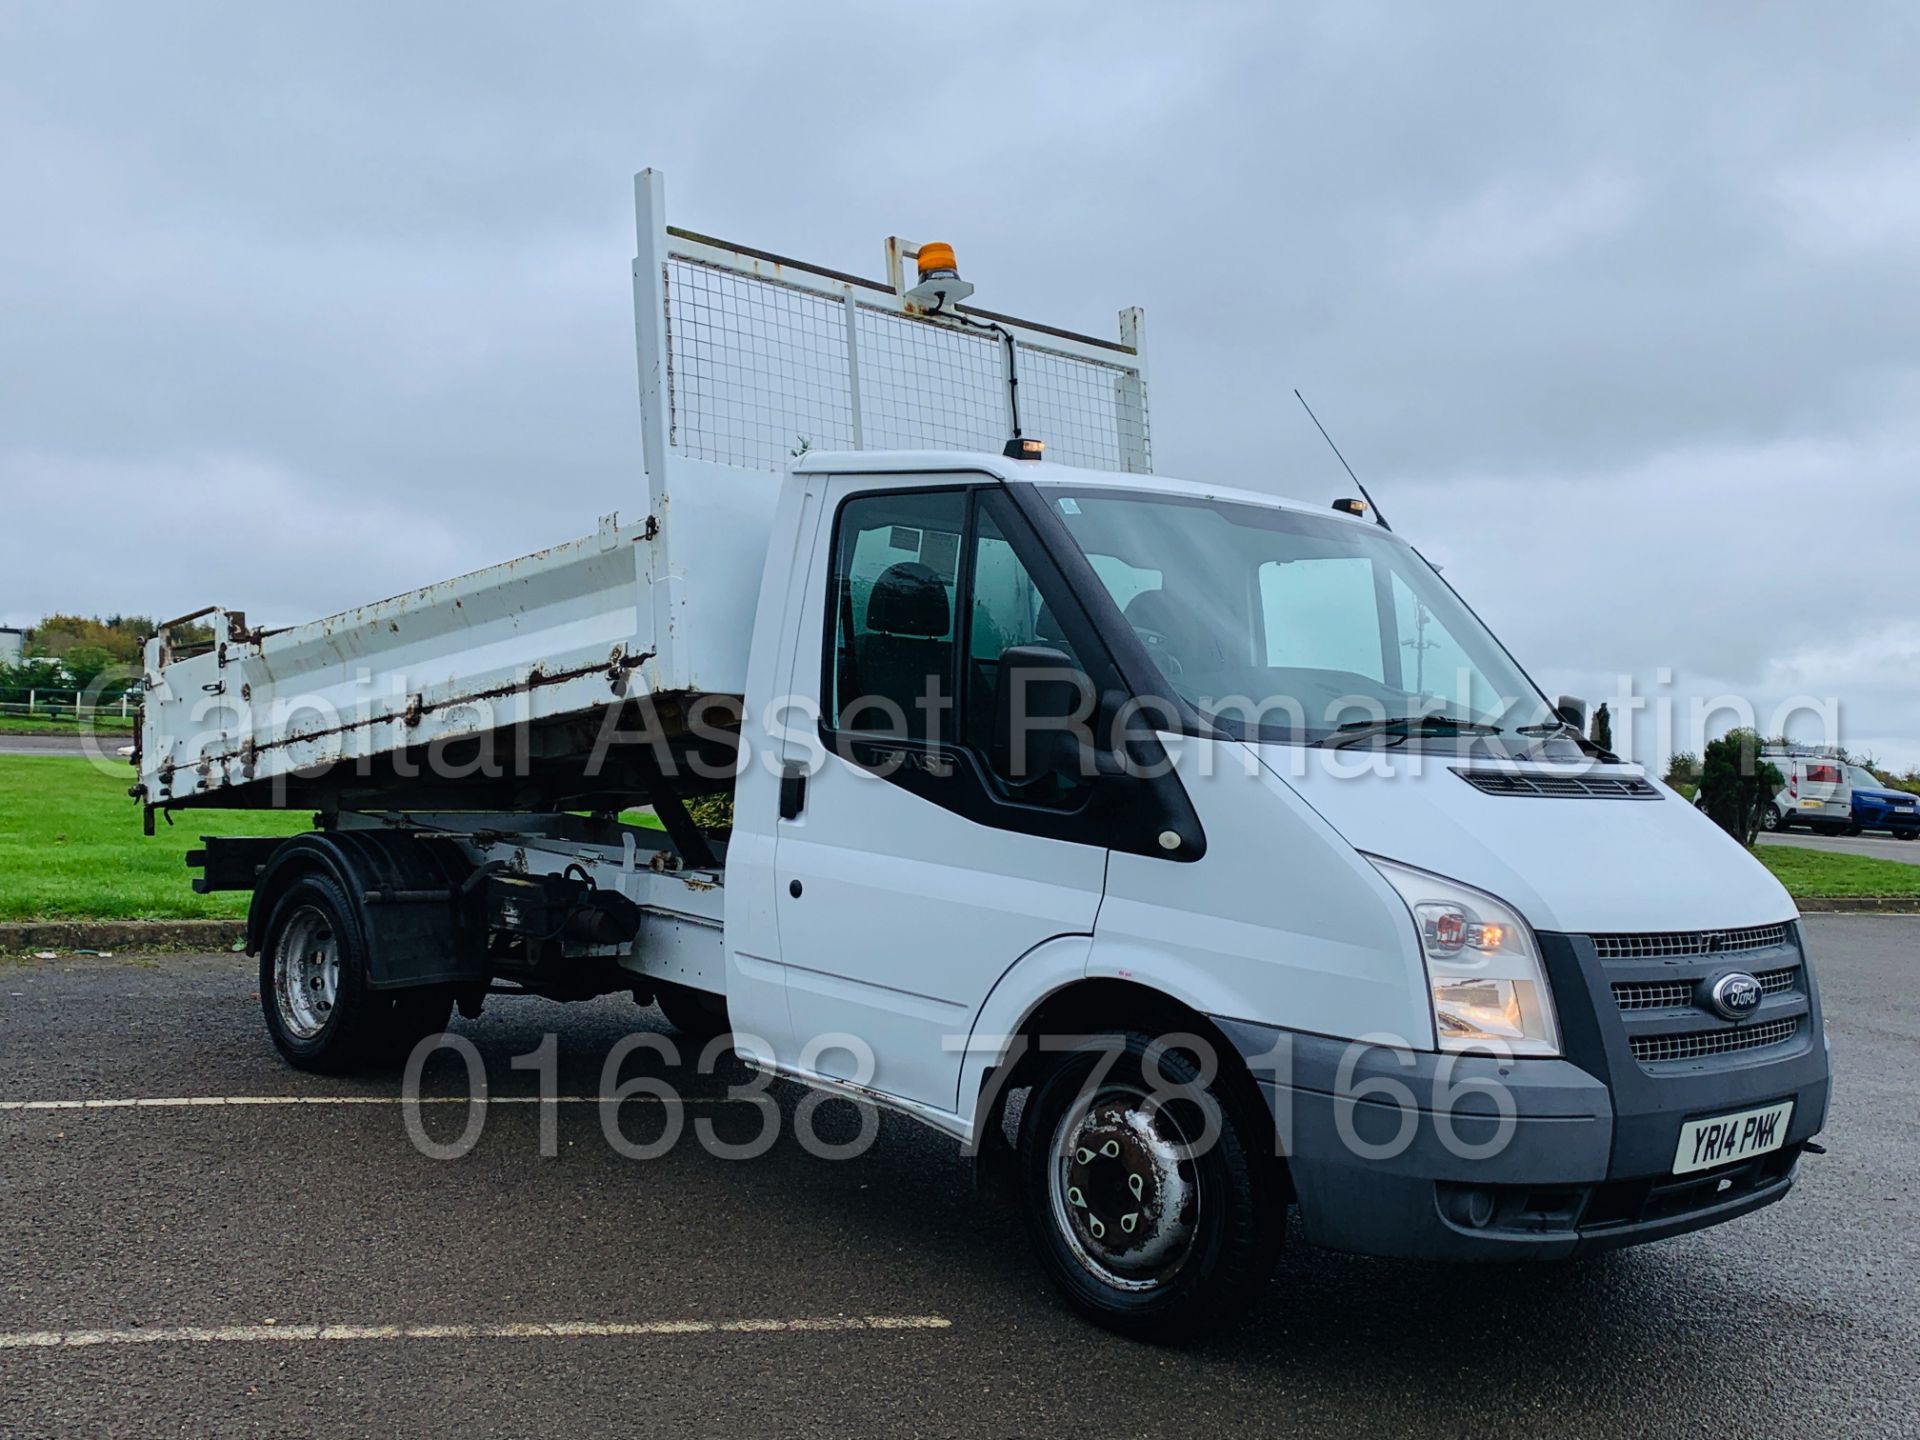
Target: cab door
[911, 876]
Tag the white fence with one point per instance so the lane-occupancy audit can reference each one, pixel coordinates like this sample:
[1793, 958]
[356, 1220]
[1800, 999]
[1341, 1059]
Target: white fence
[62, 704]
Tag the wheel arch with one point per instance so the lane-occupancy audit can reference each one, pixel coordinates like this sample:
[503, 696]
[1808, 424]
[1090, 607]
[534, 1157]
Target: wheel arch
[389, 878]
[1092, 1004]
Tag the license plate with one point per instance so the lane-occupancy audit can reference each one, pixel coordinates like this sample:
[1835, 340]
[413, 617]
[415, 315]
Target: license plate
[1707, 1143]
[1811, 804]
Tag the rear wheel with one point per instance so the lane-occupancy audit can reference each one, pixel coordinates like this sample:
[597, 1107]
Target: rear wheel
[1770, 819]
[1144, 1190]
[320, 1010]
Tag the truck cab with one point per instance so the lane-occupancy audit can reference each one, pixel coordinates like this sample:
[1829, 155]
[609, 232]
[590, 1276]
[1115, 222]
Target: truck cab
[1469, 991]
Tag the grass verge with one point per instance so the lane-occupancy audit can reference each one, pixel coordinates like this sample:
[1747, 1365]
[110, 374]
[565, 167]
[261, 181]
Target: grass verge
[71, 847]
[1831, 874]
[65, 724]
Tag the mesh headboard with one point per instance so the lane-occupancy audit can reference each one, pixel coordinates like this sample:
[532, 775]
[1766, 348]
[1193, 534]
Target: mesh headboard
[751, 359]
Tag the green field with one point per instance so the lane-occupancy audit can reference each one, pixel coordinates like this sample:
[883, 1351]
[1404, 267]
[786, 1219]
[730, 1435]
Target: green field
[1830, 874]
[109, 725]
[71, 847]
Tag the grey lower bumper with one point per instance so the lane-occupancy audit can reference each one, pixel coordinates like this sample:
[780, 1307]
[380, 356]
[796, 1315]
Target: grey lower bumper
[1402, 1153]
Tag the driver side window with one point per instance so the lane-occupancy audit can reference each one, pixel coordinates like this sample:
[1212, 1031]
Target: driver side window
[896, 574]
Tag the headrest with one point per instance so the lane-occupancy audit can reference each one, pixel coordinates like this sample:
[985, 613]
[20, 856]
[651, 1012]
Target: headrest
[1155, 610]
[908, 599]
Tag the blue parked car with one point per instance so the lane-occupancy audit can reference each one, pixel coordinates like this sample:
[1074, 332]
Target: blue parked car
[1876, 806]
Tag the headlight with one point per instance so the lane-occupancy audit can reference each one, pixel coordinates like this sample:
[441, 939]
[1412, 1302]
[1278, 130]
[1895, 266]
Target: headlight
[1483, 967]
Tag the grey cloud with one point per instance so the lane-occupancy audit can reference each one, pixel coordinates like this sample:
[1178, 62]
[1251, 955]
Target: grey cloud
[305, 305]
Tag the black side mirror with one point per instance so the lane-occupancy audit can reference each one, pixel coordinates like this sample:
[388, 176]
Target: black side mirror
[1040, 715]
[1573, 710]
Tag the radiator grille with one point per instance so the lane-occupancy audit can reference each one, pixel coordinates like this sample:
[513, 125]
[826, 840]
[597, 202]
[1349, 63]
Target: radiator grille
[1548, 785]
[1653, 994]
[1657, 946]
[1651, 1048]
[1679, 994]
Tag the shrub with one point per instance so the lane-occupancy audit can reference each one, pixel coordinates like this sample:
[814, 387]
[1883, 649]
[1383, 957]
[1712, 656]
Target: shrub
[1602, 727]
[1683, 769]
[1736, 785]
[712, 812]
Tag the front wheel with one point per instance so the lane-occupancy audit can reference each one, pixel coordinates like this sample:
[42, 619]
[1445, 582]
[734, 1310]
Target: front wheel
[1145, 1192]
[696, 1014]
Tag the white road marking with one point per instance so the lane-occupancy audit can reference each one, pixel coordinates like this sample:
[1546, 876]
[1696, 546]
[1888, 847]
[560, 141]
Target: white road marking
[549, 1330]
[182, 1102]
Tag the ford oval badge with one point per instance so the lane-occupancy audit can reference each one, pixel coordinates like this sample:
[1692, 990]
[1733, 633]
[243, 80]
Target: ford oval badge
[1736, 996]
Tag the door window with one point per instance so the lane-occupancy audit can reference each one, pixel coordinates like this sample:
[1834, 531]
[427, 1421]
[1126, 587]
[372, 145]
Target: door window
[896, 574]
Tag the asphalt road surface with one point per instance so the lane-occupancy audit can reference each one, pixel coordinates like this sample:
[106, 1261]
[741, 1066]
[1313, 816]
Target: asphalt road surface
[105, 744]
[587, 1293]
[1880, 846]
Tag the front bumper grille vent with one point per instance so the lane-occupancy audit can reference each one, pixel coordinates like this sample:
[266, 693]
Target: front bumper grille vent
[1650, 1049]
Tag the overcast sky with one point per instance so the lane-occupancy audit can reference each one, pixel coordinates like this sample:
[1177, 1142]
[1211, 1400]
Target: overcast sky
[1614, 309]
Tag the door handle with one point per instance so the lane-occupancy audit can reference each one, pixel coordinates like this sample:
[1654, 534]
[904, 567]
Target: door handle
[793, 793]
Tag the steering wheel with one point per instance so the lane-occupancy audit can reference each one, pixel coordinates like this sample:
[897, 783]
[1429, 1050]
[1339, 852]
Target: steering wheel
[1161, 649]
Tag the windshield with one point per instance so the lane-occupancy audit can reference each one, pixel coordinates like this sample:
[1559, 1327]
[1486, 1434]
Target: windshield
[1296, 628]
[1861, 778]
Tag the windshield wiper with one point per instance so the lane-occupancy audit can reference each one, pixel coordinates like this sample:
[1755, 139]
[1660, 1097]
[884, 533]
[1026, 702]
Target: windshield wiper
[1402, 726]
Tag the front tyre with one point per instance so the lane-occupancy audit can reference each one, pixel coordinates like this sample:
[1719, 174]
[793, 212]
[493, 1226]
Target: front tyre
[1145, 1190]
[696, 1014]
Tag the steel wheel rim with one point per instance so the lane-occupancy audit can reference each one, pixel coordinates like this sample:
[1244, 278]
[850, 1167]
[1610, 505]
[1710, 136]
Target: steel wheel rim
[1123, 1190]
[306, 973]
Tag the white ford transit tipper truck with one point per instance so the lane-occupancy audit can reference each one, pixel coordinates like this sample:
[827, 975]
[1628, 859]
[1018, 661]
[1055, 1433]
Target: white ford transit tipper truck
[1213, 827]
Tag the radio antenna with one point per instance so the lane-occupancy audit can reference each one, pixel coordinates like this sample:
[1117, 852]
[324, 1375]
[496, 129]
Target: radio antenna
[1378, 518]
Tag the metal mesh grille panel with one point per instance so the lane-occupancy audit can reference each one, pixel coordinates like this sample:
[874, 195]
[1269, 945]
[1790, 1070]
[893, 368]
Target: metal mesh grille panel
[1656, 946]
[757, 371]
[1679, 994]
[1653, 1048]
[760, 371]
[1088, 414]
[925, 387]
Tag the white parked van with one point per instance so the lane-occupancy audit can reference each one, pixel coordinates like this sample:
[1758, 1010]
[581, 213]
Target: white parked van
[1195, 857]
[1818, 792]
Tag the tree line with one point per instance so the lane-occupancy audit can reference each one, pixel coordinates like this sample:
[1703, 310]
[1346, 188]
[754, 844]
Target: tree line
[94, 653]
